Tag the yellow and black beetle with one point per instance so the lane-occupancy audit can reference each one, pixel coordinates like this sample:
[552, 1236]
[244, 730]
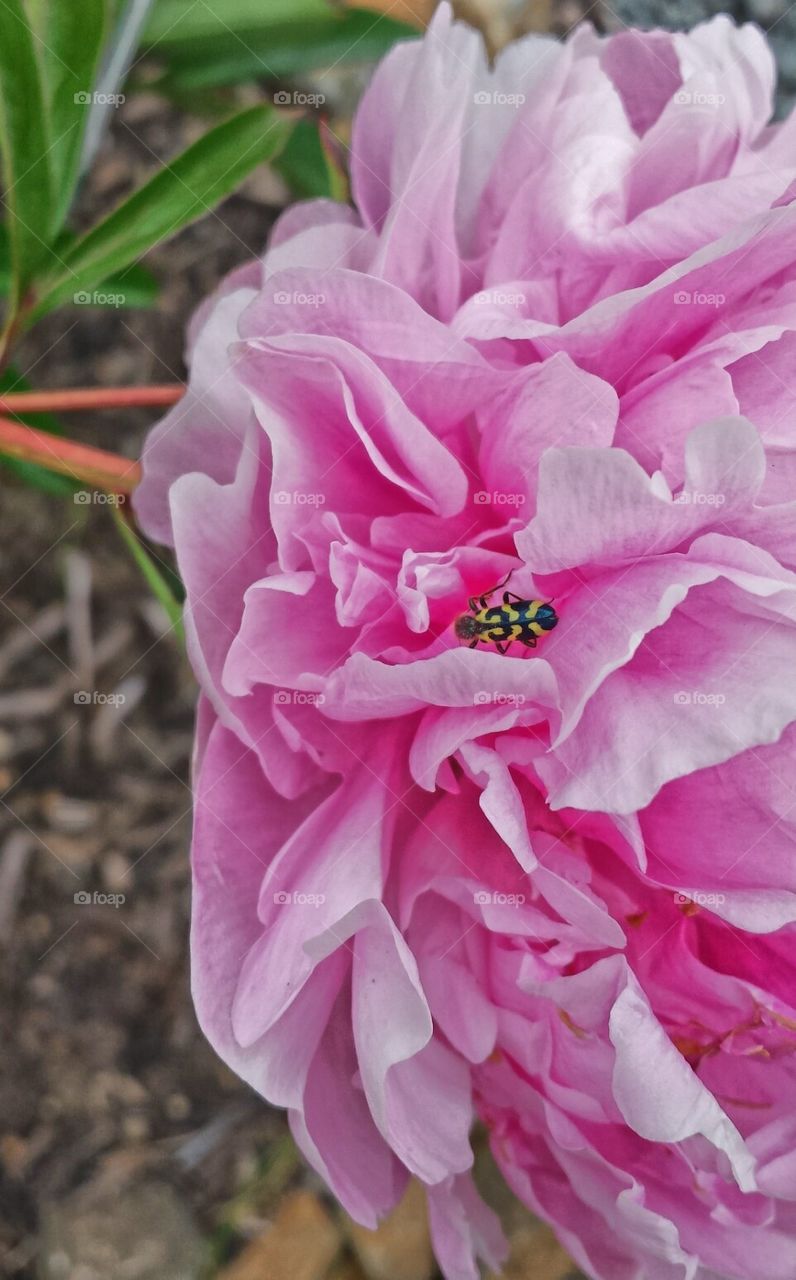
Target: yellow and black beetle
[500, 625]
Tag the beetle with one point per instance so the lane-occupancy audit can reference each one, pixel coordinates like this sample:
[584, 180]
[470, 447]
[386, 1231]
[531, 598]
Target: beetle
[501, 625]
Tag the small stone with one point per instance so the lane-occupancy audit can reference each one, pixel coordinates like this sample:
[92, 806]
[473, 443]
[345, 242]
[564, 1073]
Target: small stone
[301, 1243]
[145, 1234]
[39, 928]
[177, 1106]
[136, 1128]
[264, 186]
[400, 1247]
[110, 1089]
[143, 106]
[68, 814]
[115, 872]
[43, 986]
[13, 1154]
[76, 852]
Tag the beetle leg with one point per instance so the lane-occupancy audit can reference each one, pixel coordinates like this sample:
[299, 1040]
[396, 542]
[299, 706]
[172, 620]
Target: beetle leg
[472, 605]
[508, 596]
[502, 648]
[492, 590]
[474, 643]
[529, 642]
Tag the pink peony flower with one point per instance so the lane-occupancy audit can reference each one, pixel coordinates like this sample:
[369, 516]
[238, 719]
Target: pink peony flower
[554, 888]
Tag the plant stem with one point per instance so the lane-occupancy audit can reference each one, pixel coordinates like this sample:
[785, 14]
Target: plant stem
[18, 402]
[95, 467]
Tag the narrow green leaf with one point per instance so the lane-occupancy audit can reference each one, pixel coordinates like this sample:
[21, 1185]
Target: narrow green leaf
[24, 146]
[5, 261]
[309, 166]
[69, 38]
[39, 477]
[339, 184]
[153, 574]
[135, 287]
[174, 21]
[178, 194]
[303, 162]
[208, 49]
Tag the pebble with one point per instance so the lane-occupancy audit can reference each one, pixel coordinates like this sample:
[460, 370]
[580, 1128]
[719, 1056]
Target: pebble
[177, 1106]
[68, 814]
[400, 1247]
[301, 1243]
[145, 1234]
[115, 872]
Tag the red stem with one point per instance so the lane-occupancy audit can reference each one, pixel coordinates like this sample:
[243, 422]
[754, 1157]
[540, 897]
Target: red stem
[95, 467]
[18, 402]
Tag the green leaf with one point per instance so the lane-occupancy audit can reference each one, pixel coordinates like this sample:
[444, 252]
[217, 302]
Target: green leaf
[69, 36]
[303, 162]
[5, 261]
[172, 22]
[178, 194]
[28, 472]
[339, 184]
[135, 287]
[155, 576]
[204, 49]
[24, 147]
[309, 168]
